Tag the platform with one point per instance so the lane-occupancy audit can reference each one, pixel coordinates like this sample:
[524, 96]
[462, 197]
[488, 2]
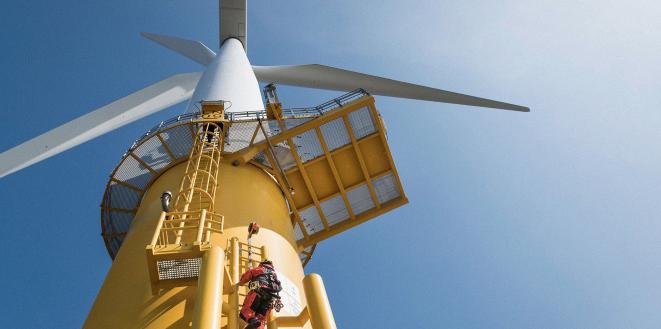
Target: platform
[334, 157]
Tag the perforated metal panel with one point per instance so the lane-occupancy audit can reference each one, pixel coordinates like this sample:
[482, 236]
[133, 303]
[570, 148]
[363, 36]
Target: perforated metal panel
[179, 268]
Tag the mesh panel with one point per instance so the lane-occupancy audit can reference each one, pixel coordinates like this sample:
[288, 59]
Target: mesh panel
[335, 134]
[134, 173]
[360, 199]
[311, 220]
[122, 197]
[153, 153]
[334, 210]
[297, 232]
[119, 221]
[361, 122]
[303, 256]
[116, 225]
[240, 134]
[261, 158]
[179, 140]
[178, 268]
[291, 122]
[386, 188]
[115, 243]
[308, 145]
[284, 156]
[271, 127]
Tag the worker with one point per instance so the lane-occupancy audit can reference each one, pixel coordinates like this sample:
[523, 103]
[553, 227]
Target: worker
[263, 295]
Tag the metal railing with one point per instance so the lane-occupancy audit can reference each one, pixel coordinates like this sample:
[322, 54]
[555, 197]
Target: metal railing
[186, 228]
[302, 111]
[254, 115]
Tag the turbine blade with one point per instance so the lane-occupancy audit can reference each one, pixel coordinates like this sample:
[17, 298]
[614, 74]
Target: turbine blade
[326, 77]
[194, 50]
[154, 98]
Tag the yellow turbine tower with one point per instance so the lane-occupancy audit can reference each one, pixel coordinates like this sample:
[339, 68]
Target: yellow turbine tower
[304, 175]
[237, 156]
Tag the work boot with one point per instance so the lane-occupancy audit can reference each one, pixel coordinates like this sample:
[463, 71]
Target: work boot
[253, 323]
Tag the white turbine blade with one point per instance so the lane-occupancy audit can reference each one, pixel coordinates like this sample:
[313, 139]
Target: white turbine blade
[326, 77]
[154, 98]
[194, 50]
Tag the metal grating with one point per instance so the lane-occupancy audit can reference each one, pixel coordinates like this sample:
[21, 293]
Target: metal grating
[261, 158]
[361, 122]
[240, 134]
[121, 221]
[284, 156]
[308, 145]
[153, 153]
[119, 196]
[386, 188]
[311, 219]
[335, 134]
[360, 199]
[306, 254]
[179, 140]
[297, 232]
[133, 173]
[334, 210]
[179, 268]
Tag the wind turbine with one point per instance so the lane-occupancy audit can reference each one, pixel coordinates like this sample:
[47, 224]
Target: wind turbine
[230, 84]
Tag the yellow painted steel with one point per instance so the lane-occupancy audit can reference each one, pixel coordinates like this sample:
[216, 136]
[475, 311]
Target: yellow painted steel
[219, 194]
[319, 308]
[209, 299]
[245, 194]
[233, 298]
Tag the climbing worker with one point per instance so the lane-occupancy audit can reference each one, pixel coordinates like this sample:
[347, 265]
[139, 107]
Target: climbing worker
[263, 295]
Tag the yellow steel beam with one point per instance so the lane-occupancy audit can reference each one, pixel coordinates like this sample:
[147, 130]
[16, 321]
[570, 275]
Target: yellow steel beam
[306, 178]
[254, 135]
[336, 175]
[379, 125]
[361, 161]
[209, 298]
[334, 152]
[321, 315]
[294, 321]
[233, 314]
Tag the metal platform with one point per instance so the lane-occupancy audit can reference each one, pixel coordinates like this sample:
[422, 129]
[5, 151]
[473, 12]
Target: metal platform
[174, 255]
[334, 156]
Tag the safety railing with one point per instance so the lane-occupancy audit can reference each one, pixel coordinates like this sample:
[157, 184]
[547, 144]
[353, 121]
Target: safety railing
[302, 111]
[186, 228]
[254, 115]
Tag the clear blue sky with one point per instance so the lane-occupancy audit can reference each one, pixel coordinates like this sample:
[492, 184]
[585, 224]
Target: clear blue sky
[548, 219]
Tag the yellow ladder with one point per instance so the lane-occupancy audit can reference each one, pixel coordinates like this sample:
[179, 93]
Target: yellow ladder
[183, 234]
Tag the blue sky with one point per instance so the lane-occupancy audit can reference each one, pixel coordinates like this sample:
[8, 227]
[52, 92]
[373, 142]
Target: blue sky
[548, 219]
